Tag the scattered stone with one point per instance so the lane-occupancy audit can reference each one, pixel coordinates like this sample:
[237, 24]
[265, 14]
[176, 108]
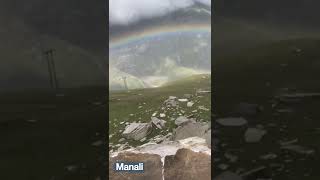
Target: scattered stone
[171, 102]
[286, 110]
[298, 149]
[203, 108]
[143, 139]
[159, 138]
[183, 100]
[162, 115]
[172, 97]
[159, 123]
[181, 120]
[253, 135]
[223, 166]
[269, 156]
[285, 143]
[231, 121]
[137, 131]
[71, 168]
[122, 139]
[97, 143]
[190, 104]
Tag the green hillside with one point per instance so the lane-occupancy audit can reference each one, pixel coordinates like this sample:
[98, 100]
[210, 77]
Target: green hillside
[139, 105]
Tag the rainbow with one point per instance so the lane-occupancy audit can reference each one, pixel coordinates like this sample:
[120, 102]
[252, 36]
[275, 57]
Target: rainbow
[157, 31]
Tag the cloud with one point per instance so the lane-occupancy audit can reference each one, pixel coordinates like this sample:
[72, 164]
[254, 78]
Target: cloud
[124, 12]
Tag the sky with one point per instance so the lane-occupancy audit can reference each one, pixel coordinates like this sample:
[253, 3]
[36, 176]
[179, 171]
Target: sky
[127, 12]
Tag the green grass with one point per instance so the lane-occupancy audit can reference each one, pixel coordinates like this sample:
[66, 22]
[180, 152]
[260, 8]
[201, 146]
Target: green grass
[244, 78]
[122, 104]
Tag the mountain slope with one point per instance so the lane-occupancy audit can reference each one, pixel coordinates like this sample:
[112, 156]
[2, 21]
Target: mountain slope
[23, 64]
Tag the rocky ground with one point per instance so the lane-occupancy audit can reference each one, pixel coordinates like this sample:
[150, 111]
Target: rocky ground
[174, 130]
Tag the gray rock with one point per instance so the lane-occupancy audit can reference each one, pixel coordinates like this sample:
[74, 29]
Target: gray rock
[171, 102]
[232, 121]
[223, 166]
[203, 108]
[268, 156]
[253, 135]
[181, 120]
[183, 100]
[97, 143]
[122, 139]
[159, 123]
[190, 104]
[137, 131]
[190, 129]
[187, 165]
[298, 149]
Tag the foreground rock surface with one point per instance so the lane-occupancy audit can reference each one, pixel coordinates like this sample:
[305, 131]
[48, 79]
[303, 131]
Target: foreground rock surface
[187, 165]
[191, 156]
[151, 161]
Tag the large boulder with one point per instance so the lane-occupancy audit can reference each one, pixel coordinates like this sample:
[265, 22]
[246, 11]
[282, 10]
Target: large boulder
[137, 131]
[191, 129]
[187, 165]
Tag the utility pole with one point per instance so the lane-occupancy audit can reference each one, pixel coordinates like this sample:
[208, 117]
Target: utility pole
[125, 82]
[52, 69]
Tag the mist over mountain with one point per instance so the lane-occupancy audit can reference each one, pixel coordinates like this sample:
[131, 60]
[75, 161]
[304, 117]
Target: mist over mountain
[162, 56]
